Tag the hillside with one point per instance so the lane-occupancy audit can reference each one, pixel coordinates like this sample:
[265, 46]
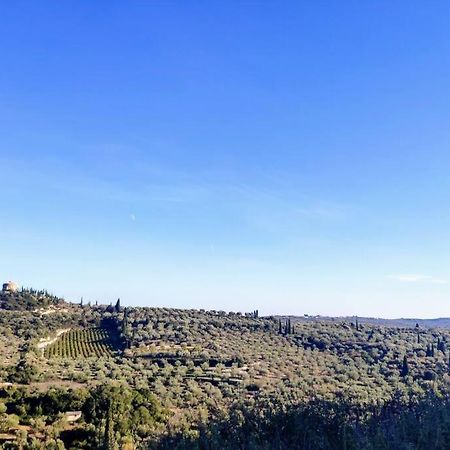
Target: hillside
[440, 322]
[160, 377]
[29, 300]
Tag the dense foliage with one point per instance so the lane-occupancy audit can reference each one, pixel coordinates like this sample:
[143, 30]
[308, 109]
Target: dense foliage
[169, 378]
[28, 299]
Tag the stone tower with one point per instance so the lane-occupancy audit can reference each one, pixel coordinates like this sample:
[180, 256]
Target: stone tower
[10, 286]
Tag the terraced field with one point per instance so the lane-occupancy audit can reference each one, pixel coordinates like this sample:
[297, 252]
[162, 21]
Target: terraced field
[81, 343]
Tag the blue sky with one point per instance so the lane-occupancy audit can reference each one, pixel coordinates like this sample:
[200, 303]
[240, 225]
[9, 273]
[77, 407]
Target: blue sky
[288, 157]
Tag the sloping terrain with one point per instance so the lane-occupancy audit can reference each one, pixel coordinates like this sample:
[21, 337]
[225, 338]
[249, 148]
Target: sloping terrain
[166, 377]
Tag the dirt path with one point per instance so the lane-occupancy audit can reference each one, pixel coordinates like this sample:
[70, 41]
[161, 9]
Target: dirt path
[48, 341]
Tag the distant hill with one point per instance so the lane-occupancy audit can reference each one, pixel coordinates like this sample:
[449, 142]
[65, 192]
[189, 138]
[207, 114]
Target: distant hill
[28, 300]
[440, 322]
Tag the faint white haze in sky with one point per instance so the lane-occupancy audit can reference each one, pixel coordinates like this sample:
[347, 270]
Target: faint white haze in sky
[225, 225]
[291, 158]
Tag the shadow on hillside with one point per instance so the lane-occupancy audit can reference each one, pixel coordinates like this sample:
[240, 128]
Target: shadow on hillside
[326, 425]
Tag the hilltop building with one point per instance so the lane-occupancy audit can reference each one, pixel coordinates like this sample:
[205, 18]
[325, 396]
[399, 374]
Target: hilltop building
[10, 286]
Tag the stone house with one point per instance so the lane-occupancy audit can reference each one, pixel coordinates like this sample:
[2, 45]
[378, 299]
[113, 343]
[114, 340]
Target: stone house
[10, 286]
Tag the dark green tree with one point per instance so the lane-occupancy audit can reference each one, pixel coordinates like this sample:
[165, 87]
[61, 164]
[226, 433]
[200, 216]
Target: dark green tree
[430, 350]
[109, 442]
[405, 367]
[125, 322]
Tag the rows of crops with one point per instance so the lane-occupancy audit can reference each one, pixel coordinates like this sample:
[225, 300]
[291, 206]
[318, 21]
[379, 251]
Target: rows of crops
[81, 343]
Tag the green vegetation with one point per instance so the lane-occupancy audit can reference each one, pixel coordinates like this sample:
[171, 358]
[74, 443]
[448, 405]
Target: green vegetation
[170, 378]
[28, 299]
[81, 343]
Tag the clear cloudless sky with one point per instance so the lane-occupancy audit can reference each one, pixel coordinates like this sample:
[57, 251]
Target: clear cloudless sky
[291, 157]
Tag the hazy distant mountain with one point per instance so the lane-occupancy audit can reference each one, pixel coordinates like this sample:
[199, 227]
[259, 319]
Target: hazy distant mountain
[440, 322]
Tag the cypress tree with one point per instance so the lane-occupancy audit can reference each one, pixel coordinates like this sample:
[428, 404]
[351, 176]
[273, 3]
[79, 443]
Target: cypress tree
[117, 307]
[432, 349]
[109, 440]
[405, 367]
[280, 328]
[125, 322]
